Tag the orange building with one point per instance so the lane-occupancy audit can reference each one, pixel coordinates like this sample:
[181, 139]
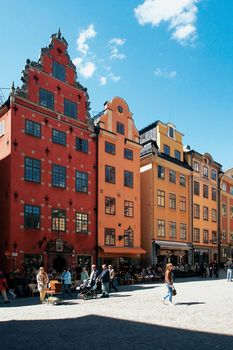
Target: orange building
[205, 211]
[119, 231]
[226, 235]
[165, 195]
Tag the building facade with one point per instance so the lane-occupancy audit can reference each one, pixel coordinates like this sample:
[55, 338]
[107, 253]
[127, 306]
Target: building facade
[47, 167]
[205, 206]
[226, 210]
[119, 219]
[165, 196]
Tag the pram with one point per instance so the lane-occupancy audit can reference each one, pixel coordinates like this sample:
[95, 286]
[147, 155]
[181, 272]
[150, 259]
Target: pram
[86, 291]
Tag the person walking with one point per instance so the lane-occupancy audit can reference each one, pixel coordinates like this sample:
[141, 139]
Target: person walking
[229, 267]
[42, 283]
[112, 278]
[168, 283]
[66, 282]
[215, 269]
[3, 287]
[104, 278]
[93, 276]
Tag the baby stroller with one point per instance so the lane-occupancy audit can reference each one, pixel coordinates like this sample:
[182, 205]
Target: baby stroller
[87, 291]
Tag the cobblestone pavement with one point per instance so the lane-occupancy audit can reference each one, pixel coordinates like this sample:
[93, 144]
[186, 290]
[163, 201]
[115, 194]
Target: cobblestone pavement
[133, 318]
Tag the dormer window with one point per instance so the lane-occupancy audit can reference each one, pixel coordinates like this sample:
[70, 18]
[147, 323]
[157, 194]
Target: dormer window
[59, 71]
[171, 132]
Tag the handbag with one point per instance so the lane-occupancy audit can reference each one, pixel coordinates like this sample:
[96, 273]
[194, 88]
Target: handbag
[174, 292]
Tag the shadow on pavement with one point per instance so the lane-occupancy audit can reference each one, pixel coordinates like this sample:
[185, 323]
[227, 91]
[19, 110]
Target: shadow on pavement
[191, 303]
[95, 332]
[132, 287]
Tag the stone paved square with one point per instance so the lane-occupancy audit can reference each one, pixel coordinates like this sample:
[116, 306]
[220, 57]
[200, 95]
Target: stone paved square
[133, 318]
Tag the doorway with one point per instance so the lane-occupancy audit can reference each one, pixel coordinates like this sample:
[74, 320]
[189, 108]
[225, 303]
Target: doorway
[59, 263]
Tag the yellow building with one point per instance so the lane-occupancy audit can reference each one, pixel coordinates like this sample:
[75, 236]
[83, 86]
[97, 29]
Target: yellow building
[119, 218]
[165, 196]
[205, 210]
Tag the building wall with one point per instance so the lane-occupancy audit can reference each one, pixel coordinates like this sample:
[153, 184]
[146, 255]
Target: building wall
[25, 106]
[108, 133]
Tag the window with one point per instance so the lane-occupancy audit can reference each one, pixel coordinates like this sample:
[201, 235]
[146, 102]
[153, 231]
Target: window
[196, 235]
[182, 203]
[2, 128]
[171, 132]
[46, 99]
[182, 231]
[32, 216]
[214, 237]
[128, 154]
[177, 154]
[172, 229]
[231, 190]
[110, 174]
[161, 172]
[231, 236]
[32, 128]
[128, 178]
[128, 238]
[196, 167]
[81, 223]
[129, 209]
[110, 205]
[205, 171]
[109, 236]
[81, 184]
[182, 180]
[196, 211]
[172, 201]
[59, 71]
[214, 194]
[213, 174]
[214, 215]
[161, 198]
[224, 252]
[205, 191]
[81, 145]
[205, 236]
[109, 147]
[224, 209]
[196, 188]
[224, 235]
[59, 176]
[231, 212]
[59, 137]
[224, 187]
[161, 228]
[70, 109]
[32, 169]
[120, 128]
[166, 150]
[205, 213]
[58, 220]
[172, 176]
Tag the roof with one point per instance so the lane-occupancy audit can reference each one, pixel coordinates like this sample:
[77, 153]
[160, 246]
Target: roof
[149, 127]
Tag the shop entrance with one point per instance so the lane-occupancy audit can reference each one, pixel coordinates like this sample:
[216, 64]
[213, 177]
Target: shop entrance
[59, 263]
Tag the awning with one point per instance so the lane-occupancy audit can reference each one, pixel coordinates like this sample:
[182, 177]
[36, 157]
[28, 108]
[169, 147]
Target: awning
[123, 250]
[174, 245]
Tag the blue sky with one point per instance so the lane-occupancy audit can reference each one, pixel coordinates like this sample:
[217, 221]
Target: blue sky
[170, 60]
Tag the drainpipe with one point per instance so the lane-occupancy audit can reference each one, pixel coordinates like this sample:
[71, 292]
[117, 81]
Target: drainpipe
[97, 129]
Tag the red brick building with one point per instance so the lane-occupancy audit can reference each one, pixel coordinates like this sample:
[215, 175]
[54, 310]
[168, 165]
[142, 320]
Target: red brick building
[47, 167]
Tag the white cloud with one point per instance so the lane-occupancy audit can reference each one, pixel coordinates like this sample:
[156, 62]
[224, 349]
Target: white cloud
[114, 50]
[165, 74]
[103, 80]
[85, 68]
[180, 14]
[83, 37]
[114, 77]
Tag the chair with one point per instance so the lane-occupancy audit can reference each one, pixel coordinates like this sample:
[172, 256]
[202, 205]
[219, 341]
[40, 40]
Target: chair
[32, 289]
